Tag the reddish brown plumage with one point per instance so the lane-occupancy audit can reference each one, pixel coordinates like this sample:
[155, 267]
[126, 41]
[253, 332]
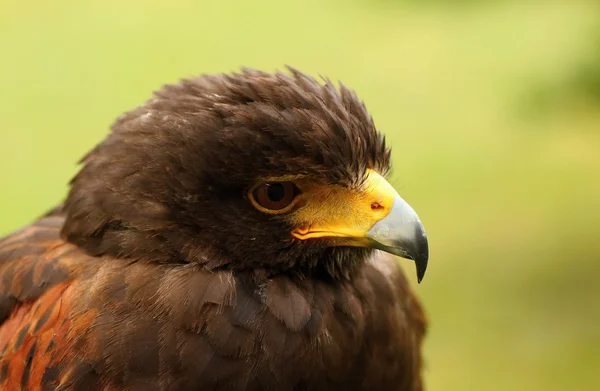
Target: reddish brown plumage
[107, 310]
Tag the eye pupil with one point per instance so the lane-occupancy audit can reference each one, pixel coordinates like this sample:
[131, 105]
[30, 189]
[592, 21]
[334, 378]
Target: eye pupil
[276, 192]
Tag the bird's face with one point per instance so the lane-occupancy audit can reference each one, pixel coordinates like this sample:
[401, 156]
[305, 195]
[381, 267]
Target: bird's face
[367, 214]
[245, 171]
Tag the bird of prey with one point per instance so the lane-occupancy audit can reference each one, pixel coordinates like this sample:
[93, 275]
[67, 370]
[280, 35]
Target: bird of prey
[234, 232]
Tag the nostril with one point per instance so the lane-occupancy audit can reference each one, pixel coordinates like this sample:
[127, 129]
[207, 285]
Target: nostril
[376, 206]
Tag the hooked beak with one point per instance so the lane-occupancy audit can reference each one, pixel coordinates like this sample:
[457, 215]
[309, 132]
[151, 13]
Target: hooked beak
[375, 217]
[401, 233]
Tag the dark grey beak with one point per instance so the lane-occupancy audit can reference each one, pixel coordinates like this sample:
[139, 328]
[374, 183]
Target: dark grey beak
[402, 233]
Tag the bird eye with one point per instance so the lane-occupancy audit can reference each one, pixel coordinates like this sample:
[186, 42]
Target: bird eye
[274, 197]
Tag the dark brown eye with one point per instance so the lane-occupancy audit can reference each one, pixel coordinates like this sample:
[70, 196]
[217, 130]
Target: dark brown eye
[274, 196]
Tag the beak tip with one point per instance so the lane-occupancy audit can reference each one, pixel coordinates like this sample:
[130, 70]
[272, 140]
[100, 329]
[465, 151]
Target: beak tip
[421, 268]
[422, 257]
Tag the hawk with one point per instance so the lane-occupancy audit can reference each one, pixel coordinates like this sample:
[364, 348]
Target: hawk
[235, 232]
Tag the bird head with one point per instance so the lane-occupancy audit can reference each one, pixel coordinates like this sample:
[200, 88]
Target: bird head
[250, 170]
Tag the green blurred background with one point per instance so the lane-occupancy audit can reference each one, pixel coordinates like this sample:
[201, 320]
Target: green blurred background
[492, 108]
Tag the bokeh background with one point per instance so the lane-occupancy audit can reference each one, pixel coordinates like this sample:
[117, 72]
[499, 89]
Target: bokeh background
[492, 108]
